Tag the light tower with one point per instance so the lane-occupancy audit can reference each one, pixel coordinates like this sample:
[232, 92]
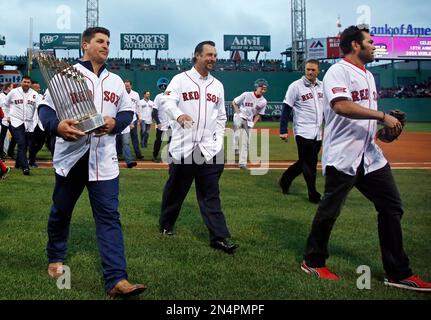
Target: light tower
[299, 34]
[92, 13]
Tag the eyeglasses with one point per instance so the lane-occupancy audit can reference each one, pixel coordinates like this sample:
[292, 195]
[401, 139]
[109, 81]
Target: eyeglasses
[363, 26]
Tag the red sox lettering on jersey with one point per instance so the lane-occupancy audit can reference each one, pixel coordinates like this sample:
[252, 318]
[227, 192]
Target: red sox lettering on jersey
[20, 107]
[202, 98]
[306, 100]
[110, 97]
[348, 141]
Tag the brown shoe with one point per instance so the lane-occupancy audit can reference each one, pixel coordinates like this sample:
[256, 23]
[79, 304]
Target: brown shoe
[124, 288]
[55, 270]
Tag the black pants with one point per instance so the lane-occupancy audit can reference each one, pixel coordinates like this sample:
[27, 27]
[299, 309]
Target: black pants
[380, 188]
[135, 141]
[23, 139]
[308, 151]
[37, 144]
[158, 141]
[206, 177]
[12, 144]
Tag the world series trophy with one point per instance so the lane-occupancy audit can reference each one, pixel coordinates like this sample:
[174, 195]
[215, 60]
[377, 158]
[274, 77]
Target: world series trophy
[69, 92]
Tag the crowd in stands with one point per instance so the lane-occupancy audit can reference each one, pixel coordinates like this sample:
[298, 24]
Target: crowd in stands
[422, 90]
[144, 64]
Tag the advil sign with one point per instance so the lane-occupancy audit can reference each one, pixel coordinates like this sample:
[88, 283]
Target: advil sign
[247, 43]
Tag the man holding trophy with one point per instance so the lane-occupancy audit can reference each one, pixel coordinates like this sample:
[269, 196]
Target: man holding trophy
[85, 107]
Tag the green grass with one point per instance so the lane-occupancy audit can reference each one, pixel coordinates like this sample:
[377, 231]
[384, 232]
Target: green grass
[270, 228]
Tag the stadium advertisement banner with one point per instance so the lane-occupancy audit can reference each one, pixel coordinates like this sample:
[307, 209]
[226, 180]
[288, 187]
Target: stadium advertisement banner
[334, 51]
[246, 43]
[12, 76]
[323, 48]
[66, 41]
[402, 48]
[317, 48]
[144, 41]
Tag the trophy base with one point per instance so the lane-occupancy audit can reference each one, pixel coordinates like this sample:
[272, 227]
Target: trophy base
[90, 124]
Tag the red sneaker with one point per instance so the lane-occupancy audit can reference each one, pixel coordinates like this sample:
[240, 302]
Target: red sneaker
[411, 283]
[323, 273]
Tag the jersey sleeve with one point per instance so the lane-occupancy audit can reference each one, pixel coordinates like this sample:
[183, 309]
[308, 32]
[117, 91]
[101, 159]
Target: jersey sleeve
[336, 84]
[171, 98]
[240, 99]
[291, 95]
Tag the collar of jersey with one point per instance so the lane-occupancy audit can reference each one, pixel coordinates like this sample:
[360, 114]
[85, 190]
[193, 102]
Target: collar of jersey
[308, 83]
[359, 67]
[89, 66]
[197, 75]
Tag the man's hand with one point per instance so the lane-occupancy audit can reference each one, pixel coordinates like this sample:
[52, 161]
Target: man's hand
[106, 128]
[284, 137]
[185, 121]
[68, 132]
[392, 125]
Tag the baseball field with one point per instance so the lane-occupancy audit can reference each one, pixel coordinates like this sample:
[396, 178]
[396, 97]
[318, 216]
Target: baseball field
[270, 228]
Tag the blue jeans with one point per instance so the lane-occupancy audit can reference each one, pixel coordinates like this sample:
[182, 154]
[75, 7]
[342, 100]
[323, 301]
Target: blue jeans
[104, 203]
[145, 129]
[123, 147]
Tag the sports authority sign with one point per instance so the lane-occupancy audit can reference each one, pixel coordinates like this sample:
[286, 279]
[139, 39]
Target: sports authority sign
[66, 41]
[247, 43]
[144, 41]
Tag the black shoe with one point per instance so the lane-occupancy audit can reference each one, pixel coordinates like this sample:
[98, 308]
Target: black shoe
[33, 165]
[224, 245]
[314, 197]
[167, 232]
[141, 157]
[156, 160]
[284, 186]
[132, 164]
[26, 171]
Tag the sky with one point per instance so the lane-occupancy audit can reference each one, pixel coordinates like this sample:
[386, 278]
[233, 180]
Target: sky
[190, 21]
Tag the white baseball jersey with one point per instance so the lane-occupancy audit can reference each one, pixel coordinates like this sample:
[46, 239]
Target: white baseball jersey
[306, 99]
[2, 101]
[20, 107]
[163, 117]
[347, 141]
[202, 98]
[110, 97]
[250, 105]
[146, 110]
[134, 96]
